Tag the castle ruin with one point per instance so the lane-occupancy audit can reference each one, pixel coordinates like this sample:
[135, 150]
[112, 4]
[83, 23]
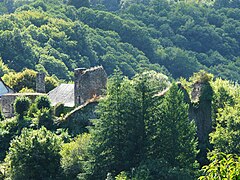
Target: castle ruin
[40, 82]
[88, 83]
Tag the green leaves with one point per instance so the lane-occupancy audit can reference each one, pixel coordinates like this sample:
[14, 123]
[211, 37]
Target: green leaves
[226, 137]
[32, 152]
[175, 139]
[74, 156]
[135, 124]
[21, 105]
[222, 166]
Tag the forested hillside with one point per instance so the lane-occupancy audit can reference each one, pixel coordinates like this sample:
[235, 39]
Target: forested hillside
[176, 38]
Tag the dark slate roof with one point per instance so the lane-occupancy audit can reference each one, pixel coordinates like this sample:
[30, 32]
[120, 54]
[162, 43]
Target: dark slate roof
[64, 93]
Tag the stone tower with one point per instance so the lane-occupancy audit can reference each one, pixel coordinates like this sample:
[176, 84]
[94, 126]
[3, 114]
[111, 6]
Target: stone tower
[40, 82]
[201, 111]
[88, 83]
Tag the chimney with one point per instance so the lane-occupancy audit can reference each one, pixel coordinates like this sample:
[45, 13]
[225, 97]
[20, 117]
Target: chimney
[77, 77]
[40, 82]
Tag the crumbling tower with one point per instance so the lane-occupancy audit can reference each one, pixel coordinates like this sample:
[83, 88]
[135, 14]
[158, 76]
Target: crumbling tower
[201, 111]
[88, 83]
[40, 82]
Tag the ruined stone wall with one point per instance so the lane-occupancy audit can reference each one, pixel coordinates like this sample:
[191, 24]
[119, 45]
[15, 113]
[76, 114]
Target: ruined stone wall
[40, 82]
[201, 111]
[7, 102]
[89, 83]
[78, 120]
[7, 106]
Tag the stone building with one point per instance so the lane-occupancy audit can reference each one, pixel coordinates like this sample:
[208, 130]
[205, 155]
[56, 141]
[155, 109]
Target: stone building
[7, 99]
[7, 102]
[77, 120]
[88, 83]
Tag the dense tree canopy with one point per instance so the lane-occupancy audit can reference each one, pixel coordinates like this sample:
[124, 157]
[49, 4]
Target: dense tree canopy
[143, 131]
[135, 125]
[132, 35]
[33, 152]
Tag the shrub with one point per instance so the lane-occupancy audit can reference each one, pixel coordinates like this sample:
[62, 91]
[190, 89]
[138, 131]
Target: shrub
[32, 110]
[73, 156]
[43, 102]
[1, 116]
[59, 109]
[34, 155]
[45, 118]
[21, 105]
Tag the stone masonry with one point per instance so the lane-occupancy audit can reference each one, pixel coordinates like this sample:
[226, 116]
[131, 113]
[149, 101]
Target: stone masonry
[7, 102]
[40, 82]
[89, 83]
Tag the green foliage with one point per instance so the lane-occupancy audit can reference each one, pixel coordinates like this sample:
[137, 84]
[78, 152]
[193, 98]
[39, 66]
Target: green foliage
[175, 135]
[32, 152]
[226, 4]
[135, 124]
[201, 77]
[3, 68]
[26, 80]
[114, 130]
[51, 83]
[159, 169]
[1, 116]
[121, 176]
[21, 105]
[138, 35]
[43, 102]
[18, 81]
[44, 117]
[50, 63]
[222, 166]
[226, 137]
[74, 156]
[178, 61]
[59, 109]
[79, 3]
[225, 94]
[8, 129]
[77, 120]
[137, 120]
[32, 110]
[26, 90]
